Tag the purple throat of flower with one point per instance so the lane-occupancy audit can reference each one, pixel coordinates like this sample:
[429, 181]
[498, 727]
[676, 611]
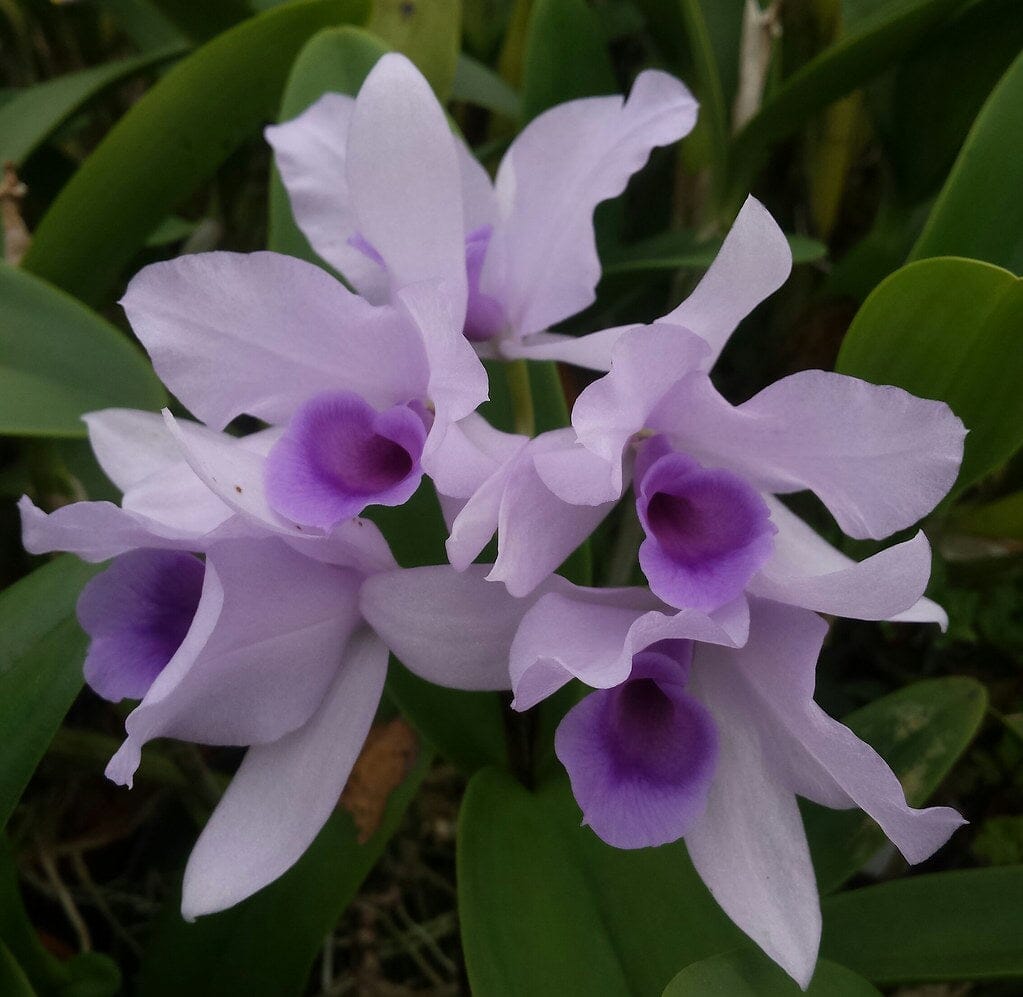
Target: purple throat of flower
[641, 756]
[484, 316]
[137, 614]
[339, 455]
[708, 532]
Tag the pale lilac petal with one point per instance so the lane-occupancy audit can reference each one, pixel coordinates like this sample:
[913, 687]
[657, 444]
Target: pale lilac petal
[646, 362]
[264, 646]
[825, 761]
[923, 611]
[449, 627]
[749, 846]
[97, 531]
[479, 202]
[356, 543]
[543, 263]
[137, 614]
[457, 381]
[339, 455]
[707, 531]
[310, 152]
[592, 351]
[805, 570]
[592, 635]
[470, 452]
[283, 792]
[473, 525]
[130, 445]
[877, 456]
[405, 180]
[754, 261]
[536, 529]
[284, 329]
[484, 316]
[641, 756]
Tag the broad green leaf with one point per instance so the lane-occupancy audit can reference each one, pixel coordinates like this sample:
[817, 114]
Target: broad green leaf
[963, 925]
[13, 981]
[33, 114]
[1000, 520]
[266, 945]
[170, 142]
[920, 731]
[336, 60]
[949, 329]
[939, 90]
[476, 83]
[978, 212]
[565, 56]
[547, 908]
[202, 21]
[683, 251]
[144, 24]
[59, 360]
[429, 32]
[41, 653]
[749, 973]
[873, 44]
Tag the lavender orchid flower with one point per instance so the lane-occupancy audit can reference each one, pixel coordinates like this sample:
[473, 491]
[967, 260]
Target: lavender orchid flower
[703, 740]
[258, 643]
[387, 195]
[705, 472]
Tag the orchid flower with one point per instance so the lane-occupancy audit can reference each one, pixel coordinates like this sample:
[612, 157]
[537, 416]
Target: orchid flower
[706, 473]
[258, 643]
[702, 740]
[387, 195]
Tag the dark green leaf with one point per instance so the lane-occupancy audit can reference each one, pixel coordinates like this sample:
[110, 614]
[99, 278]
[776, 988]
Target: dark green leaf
[41, 652]
[31, 116]
[13, 981]
[265, 946]
[920, 731]
[171, 141]
[979, 212]
[949, 329]
[429, 32]
[478, 84]
[1000, 520]
[547, 908]
[202, 21]
[963, 925]
[682, 251]
[566, 56]
[59, 360]
[873, 44]
[749, 973]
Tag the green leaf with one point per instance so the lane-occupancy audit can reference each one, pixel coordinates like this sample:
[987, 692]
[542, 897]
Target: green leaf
[33, 114]
[13, 982]
[565, 58]
[266, 945]
[41, 652]
[478, 84]
[683, 251]
[202, 21]
[1000, 520]
[171, 141]
[749, 973]
[547, 908]
[429, 32]
[978, 212]
[336, 60]
[59, 360]
[874, 43]
[962, 925]
[949, 329]
[920, 731]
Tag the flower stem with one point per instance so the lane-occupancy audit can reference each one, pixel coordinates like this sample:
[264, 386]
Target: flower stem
[517, 374]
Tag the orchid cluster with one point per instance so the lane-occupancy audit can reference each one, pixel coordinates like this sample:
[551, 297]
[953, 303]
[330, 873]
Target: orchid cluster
[249, 603]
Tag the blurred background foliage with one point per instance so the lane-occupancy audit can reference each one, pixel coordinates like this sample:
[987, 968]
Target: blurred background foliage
[887, 138]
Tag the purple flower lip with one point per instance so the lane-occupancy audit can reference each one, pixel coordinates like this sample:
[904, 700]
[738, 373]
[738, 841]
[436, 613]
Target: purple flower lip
[484, 316]
[641, 756]
[707, 531]
[137, 613]
[339, 455]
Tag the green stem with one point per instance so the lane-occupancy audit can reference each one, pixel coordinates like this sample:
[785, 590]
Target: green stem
[626, 546]
[517, 375]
